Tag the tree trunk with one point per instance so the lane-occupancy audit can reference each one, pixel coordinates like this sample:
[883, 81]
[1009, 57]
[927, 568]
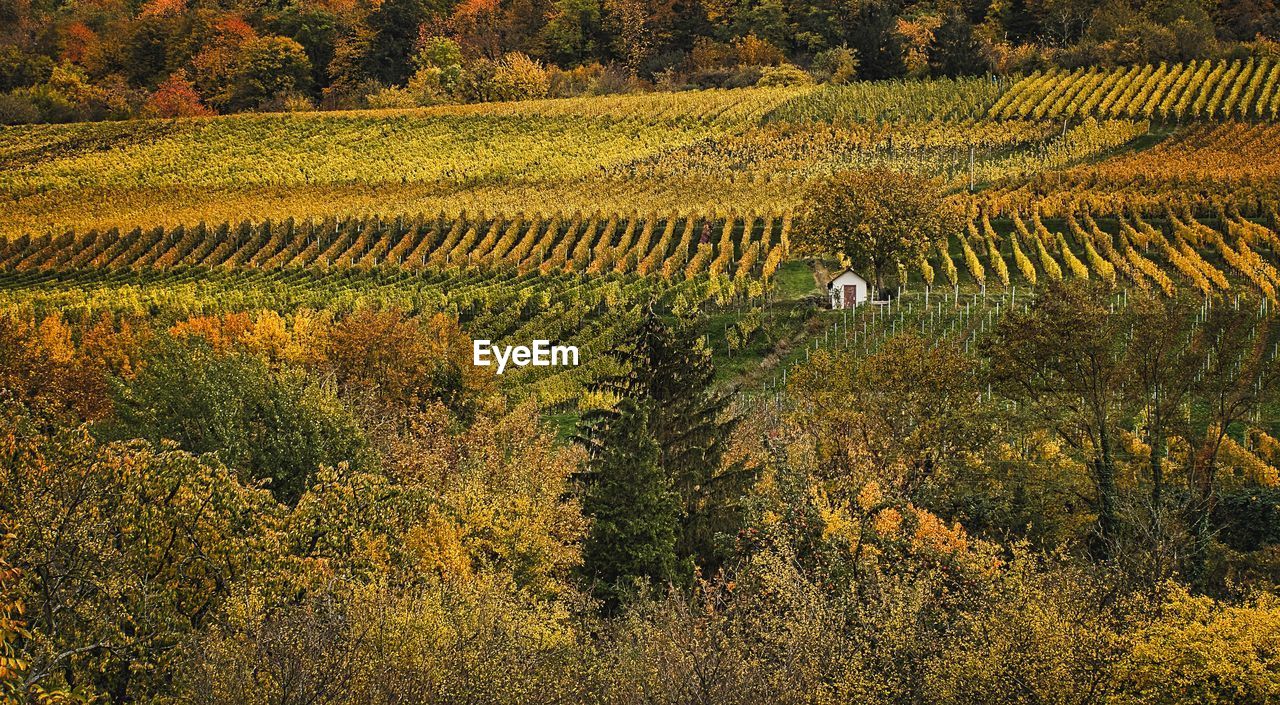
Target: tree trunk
[1105, 477]
[1203, 470]
[1158, 453]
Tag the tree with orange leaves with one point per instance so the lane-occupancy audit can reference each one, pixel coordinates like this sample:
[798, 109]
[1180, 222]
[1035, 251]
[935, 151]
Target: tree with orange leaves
[176, 97]
[396, 364]
[79, 43]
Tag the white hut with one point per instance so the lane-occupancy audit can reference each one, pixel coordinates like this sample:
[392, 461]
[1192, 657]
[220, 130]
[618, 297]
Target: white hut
[847, 289]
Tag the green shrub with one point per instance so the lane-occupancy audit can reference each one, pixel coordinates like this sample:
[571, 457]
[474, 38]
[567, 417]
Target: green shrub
[838, 65]
[19, 69]
[272, 426]
[53, 105]
[784, 75]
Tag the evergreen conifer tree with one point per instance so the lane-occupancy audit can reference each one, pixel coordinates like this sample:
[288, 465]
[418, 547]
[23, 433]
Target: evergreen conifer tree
[634, 510]
[668, 372]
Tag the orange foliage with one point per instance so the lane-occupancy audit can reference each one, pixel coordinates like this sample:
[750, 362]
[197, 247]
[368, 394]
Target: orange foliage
[887, 523]
[220, 332]
[116, 348]
[870, 495]
[917, 36]
[43, 371]
[78, 42]
[754, 51]
[404, 364]
[473, 10]
[233, 29]
[160, 8]
[176, 97]
[931, 534]
[53, 340]
[475, 25]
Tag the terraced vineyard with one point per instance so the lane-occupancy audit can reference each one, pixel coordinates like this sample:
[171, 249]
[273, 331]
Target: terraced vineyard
[1182, 253]
[508, 157]
[1200, 90]
[746, 251]
[715, 151]
[1109, 141]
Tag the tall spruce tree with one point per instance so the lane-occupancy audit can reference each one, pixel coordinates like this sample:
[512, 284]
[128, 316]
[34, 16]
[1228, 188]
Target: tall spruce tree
[635, 511]
[668, 372]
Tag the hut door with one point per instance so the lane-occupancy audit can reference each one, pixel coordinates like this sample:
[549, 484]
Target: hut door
[850, 295]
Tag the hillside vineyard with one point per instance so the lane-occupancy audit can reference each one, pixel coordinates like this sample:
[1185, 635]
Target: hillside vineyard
[1201, 90]
[927, 391]
[1132, 140]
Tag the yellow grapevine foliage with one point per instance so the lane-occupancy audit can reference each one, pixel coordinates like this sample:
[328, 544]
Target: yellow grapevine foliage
[1243, 89]
[692, 245]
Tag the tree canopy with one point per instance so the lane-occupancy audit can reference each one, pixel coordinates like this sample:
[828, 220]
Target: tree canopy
[875, 219]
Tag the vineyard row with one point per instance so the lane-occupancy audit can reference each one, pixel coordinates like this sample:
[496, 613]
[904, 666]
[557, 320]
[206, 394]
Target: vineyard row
[670, 247]
[1182, 253]
[743, 251]
[1201, 90]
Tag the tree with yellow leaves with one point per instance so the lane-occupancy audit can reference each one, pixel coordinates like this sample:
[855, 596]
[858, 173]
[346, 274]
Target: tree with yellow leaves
[907, 416]
[876, 219]
[125, 551]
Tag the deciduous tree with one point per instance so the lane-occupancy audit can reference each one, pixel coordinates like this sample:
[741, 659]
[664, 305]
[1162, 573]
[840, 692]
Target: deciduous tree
[267, 68]
[877, 219]
[275, 426]
[1064, 360]
[907, 417]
